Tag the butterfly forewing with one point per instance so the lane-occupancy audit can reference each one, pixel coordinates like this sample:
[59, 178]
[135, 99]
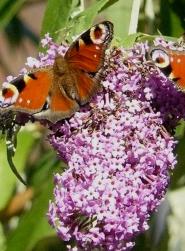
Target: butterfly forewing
[171, 63]
[86, 57]
[87, 52]
[177, 61]
[28, 92]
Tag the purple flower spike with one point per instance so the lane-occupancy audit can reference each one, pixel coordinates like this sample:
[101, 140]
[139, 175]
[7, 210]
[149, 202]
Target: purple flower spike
[119, 157]
[118, 152]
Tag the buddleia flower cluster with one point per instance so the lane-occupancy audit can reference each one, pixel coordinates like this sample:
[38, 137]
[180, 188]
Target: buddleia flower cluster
[119, 156]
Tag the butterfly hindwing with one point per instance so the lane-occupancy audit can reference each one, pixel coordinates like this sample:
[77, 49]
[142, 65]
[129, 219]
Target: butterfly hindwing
[60, 106]
[88, 51]
[86, 87]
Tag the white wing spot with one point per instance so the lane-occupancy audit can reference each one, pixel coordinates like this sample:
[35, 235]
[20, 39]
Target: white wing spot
[20, 100]
[28, 101]
[95, 55]
[97, 48]
[171, 59]
[178, 60]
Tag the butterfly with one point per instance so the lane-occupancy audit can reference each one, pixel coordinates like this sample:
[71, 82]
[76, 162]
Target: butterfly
[56, 92]
[171, 63]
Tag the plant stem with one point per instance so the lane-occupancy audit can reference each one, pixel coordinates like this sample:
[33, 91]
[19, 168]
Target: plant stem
[134, 16]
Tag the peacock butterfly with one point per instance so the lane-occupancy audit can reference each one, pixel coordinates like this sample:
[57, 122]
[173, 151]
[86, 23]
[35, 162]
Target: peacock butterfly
[56, 92]
[171, 63]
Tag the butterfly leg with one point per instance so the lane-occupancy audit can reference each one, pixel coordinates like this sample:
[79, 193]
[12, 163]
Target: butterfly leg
[11, 143]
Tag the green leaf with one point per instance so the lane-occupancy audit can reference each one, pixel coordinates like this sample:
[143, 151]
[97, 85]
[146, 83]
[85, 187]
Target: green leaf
[84, 20]
[56, 16]
[169, 21]
[43, 170]
[2, 238]
[8, 179]
[50, 243]
[71, 22]
[33, 226]
[128, 41]
[120, 14]
[8, 9]
[109, 4]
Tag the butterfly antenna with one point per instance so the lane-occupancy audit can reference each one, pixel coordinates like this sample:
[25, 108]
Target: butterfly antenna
[11, 143]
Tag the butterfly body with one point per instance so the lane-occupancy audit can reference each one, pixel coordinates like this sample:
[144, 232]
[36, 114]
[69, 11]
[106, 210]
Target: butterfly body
[171, 63]
[56, 92]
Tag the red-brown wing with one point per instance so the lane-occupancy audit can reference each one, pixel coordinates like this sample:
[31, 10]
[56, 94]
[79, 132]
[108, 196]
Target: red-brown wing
[86, 87]
[59, 106]
[171, 63]
[88, 51]
[178, 69]
[27, 93]
[61, 103]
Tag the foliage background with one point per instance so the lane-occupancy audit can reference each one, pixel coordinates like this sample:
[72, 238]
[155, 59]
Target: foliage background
[23, 225]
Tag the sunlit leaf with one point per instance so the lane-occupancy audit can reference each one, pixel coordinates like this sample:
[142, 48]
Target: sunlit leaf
[86, 18]
[56, 16]
[2, 238]
[120, 14]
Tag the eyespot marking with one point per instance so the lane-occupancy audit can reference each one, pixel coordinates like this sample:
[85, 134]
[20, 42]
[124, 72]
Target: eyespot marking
[160, 58]
[98, 33]
[9, 93]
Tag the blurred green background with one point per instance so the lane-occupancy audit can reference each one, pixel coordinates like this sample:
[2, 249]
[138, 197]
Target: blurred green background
[23, 222]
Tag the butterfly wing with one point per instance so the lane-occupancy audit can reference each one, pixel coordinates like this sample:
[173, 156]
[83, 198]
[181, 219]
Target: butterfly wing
[28, 92]
[177, 62]
[60, 106]
[88, 51]
[86, 87]
[171, 63]
[86, 56]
